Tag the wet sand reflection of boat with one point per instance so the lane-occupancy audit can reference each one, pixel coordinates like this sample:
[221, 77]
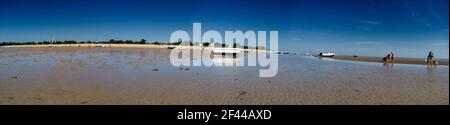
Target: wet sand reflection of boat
[226, 51]
[328, 54]
[224, 60]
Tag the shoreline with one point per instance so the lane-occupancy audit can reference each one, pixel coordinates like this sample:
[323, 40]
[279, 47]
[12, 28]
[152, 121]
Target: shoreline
[115, 46]
[398, 60]
[88, 45]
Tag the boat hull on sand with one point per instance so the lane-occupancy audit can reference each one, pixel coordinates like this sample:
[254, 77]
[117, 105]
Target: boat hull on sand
[327, 54]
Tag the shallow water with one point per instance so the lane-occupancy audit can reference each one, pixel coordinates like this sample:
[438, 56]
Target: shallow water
[145, 76]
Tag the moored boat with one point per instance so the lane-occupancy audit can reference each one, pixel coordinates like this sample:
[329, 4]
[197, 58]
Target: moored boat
[328, 54]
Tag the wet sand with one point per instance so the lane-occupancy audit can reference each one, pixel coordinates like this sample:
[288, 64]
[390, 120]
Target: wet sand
[85, 76]
[396, 60]
[419, 61]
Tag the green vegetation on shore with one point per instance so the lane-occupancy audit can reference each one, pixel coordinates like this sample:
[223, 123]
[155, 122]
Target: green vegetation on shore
[114, 41]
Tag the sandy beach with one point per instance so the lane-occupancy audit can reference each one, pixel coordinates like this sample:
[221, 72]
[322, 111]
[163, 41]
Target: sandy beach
[117, 75]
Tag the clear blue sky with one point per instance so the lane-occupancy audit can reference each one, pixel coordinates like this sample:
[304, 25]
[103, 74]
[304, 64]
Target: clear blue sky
[409, 28]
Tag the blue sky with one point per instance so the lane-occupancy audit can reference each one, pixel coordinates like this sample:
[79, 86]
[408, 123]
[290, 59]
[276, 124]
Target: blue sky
[409, 28]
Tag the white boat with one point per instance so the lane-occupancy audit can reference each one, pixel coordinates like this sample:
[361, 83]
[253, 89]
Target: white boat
[274, 52]
[51, 43]
[328, 54]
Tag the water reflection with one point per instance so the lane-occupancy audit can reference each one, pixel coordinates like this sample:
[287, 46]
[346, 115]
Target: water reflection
[325, 58]
[226, 60]
[388, 65]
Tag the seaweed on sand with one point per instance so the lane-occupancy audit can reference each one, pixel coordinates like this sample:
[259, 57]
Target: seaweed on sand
[241, 94]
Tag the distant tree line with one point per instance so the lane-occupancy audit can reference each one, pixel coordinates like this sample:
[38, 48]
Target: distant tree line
[114, 41]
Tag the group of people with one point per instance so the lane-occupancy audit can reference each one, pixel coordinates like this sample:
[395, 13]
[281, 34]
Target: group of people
[389, 58]
[430, 59]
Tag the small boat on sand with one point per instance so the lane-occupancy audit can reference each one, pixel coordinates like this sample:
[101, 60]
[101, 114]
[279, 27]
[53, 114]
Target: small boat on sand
[51, 43]
[274, 52]
[328, 54]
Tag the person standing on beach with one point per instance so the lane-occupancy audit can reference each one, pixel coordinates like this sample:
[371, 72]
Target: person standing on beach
[430, 59]
[392, 57]
[389, 58]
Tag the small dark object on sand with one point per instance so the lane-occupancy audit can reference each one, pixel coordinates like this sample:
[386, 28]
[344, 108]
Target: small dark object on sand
[355, 56]
[361, 78]
[242, 93]
[183, 68]
[37, 98]
[155, 70]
